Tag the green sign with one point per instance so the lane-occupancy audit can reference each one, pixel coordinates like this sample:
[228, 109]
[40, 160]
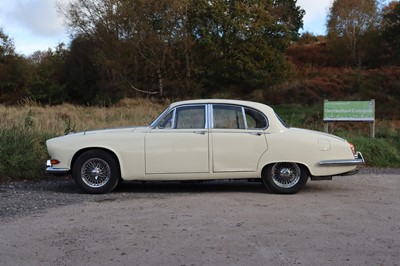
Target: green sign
[349, 111]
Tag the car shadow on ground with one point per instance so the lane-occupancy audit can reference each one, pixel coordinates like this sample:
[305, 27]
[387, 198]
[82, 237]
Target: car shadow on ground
[192, 186]
[68, 186]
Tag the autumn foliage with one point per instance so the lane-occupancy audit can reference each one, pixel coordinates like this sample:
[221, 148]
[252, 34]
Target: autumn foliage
[179, 49]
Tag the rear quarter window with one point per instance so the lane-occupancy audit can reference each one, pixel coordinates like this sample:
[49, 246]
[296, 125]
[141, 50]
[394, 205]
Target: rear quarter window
[255, 119]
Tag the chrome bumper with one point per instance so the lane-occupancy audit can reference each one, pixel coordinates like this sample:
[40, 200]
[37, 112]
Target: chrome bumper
[55, 171]
[359, 159]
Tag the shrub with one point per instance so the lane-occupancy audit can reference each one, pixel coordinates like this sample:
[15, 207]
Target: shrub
[22, 153]
[379, 152]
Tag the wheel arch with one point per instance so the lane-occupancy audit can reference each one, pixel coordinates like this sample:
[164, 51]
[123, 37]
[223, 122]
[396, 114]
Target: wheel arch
[301, 164]
[80, 152]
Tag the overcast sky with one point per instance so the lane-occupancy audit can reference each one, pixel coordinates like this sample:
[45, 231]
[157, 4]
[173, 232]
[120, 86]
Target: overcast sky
[35, 24]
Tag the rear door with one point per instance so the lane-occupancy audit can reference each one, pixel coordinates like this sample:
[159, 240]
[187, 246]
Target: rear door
[238, 139]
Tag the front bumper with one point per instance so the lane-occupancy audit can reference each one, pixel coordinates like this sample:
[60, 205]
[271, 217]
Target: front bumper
[55, 171]
[358, 159]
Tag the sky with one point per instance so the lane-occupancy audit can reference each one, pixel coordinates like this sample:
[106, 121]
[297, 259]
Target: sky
[32, 24]
[315, 17]
[36, 25]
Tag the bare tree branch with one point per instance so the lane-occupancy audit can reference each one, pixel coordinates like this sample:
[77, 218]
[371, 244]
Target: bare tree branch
[136, 89]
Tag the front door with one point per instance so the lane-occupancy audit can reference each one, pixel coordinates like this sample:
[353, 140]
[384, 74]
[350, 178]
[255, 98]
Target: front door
[179, 144]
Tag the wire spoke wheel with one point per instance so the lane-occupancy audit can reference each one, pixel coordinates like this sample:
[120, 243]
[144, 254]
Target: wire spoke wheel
[285, 175]
[95, 172]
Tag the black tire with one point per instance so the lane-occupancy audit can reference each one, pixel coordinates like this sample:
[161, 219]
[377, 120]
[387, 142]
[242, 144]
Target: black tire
[285, 178]
[96, 171]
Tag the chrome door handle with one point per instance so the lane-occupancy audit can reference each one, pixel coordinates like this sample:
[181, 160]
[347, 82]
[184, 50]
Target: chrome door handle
[255, 133]
[199, 132]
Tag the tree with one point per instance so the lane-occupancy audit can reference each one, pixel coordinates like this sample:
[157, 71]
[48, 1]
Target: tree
[80, 73]
[135, 41]
[47, 84]
[351, 23]
[162, 29]
[13, 71]
[174, 47]
[241, 43]
[6, 44]
[391, 28]
[103, 26]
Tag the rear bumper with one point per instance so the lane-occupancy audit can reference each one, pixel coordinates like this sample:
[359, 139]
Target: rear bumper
[358, 160]
[55, 171]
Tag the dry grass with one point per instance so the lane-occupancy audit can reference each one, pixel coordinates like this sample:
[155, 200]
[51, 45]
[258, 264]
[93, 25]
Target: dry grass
[62, 118]
[25, 128]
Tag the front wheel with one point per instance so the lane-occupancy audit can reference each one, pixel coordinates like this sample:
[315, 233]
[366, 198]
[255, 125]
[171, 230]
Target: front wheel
[285, 178]
[96, 171]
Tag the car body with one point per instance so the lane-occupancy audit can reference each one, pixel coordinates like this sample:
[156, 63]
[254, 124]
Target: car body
[204, 140]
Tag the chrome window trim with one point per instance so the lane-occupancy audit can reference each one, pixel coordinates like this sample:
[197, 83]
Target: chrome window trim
[224, 104]
[173, 119]
[211, 108]
[265, 117]
[190, 105]
[209, 115]
[161, 117]
[244, 118]
[157, 120]
[243, 113]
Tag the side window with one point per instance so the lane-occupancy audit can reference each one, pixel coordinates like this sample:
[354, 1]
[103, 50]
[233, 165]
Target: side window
[255, 119]
[227, 116]
[190, 117]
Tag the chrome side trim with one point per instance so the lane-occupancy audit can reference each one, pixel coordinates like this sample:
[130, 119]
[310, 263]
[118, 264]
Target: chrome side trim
[359, 159]
[55, 171]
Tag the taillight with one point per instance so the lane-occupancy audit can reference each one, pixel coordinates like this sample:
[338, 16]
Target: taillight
[353, 148]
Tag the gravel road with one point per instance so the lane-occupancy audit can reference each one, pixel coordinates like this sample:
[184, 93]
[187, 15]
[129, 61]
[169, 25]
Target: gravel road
[347, 221]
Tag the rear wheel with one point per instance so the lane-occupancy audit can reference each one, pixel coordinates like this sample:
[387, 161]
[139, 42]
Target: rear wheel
[285, 178]
[96, 171]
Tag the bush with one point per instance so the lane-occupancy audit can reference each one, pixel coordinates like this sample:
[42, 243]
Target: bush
[379, 152]
[22, 153]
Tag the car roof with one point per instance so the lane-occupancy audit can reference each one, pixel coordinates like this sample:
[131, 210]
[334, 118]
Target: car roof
[256, 105]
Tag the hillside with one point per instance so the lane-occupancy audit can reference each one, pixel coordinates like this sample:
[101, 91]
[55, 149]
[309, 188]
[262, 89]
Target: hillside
[317, 79]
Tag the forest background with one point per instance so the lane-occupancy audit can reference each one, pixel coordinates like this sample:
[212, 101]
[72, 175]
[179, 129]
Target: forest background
[169, 50]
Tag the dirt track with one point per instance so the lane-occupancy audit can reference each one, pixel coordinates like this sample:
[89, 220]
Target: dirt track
[348, 221]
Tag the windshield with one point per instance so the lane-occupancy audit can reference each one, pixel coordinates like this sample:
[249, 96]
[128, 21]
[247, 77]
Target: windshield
[154, 123]
[280, 120]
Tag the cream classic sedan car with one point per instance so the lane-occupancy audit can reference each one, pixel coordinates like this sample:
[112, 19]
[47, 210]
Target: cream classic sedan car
[204, 140]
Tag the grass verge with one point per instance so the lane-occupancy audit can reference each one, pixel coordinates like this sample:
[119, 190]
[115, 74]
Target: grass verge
[379, 152]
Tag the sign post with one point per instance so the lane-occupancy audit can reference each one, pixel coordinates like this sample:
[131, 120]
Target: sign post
[349, 111]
